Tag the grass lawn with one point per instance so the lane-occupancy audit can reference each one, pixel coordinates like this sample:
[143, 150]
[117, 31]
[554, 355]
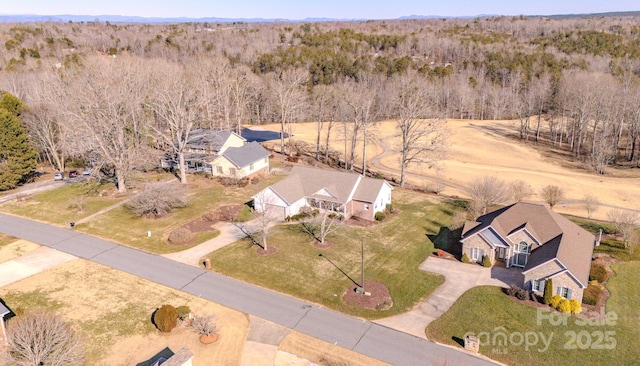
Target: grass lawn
[205, 195]
[6, 239]
[393, 251]
[484, 309]
[610, 243]
[62, 205]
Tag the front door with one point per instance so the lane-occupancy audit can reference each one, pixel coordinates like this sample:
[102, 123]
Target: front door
[502, 253]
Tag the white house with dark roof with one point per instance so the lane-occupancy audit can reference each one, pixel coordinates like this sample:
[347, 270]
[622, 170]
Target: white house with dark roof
[347, 193]
[542, 243]
[222, 153]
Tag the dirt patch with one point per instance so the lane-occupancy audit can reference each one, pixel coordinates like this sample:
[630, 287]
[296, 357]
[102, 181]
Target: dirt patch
[380, 298]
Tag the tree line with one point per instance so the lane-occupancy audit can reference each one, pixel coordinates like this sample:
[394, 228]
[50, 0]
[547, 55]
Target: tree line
[107, 92]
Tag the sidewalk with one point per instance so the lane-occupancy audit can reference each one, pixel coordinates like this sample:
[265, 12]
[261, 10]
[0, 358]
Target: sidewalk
[459, 277]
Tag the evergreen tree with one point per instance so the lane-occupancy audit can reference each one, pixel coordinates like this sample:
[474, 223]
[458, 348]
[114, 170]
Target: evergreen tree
[548, 291]
[17, 156]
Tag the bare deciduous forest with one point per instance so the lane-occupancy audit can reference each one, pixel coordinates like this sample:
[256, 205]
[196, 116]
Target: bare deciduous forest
[112, 92]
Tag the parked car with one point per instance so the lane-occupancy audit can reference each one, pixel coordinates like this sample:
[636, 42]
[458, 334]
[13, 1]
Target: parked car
[86, 171]
[58, 176]
[73, 173]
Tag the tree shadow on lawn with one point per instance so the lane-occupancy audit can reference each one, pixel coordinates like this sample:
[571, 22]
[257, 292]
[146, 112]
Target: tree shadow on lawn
[448, 241]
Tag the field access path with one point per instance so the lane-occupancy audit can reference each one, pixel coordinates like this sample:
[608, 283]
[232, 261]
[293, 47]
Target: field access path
[359, 335]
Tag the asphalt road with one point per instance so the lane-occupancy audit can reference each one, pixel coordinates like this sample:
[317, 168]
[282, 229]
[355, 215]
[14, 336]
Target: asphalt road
[371, 339]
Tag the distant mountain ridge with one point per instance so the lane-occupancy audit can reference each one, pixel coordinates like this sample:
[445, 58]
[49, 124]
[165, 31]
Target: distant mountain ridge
[25, 18]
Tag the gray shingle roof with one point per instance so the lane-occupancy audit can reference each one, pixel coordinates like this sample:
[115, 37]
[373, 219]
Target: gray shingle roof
[342, 186]
[560, 238]
[208, 139]
[245, 155]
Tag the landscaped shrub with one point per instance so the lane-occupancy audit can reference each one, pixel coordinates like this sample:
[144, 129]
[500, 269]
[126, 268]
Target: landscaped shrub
[576, 307]
[486, 262]
[379, 216]
[245, 214]
[389, 208]
[564, 306]
[555, 301]
[591, 295]
[157, 199]
[183, 311]
[204, 325]
[548, 291]
[512, 290]
[181, 236]
[598, 273]
[166, 318]
[522, 294]
[465, 258]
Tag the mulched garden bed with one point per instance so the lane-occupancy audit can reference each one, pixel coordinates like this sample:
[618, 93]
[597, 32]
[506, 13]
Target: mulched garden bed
[380, 298]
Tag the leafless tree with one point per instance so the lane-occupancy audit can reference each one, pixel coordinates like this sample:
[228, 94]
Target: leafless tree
[520, 190]
[552, 195]
[326, 105]
[286, 86]
[362, 100]
[422, 139]
[106, 105]
[264, 206]
[626, 222]
[41, 338]
[487, 191]
[590, 203]
[177, 104]
[322, 222]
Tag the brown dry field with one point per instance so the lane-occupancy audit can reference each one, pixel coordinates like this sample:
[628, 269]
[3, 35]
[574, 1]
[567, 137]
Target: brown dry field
[113, 309]
[117, 309]
[482, 148]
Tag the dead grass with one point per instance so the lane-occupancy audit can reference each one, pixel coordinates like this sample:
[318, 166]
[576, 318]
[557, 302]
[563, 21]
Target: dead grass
[16, 249]
[484, 148]
[113, 310]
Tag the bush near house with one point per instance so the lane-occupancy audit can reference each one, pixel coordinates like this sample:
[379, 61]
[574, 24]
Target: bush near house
[555, 301]
[486, 262]
[592, 294]
[576, 307]
[564, 306]
[465, 258]
[548, 291]
[379, 216]
[598, 273]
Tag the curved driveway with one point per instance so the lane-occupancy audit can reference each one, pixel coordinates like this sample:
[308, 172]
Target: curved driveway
[362, 336]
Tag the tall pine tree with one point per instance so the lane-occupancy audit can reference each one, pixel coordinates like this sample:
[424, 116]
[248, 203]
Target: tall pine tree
[17, 156]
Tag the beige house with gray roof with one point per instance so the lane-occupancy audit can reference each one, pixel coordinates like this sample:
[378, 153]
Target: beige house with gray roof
[346, 193]
[542, 243]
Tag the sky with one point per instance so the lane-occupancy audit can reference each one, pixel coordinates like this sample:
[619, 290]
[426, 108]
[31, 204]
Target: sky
[301, 9]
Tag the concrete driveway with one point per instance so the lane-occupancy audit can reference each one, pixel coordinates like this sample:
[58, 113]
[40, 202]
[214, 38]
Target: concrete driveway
[459, 277]
[31, 263]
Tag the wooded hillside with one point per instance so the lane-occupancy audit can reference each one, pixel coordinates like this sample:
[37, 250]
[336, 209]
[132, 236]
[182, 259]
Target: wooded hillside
[571, 83]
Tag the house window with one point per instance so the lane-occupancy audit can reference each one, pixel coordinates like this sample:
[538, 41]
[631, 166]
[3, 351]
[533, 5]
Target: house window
[232, 171]
[522, 247]
[219, 169]
[366, 207]
[538, 285]
[564, 292]
[477, 254]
